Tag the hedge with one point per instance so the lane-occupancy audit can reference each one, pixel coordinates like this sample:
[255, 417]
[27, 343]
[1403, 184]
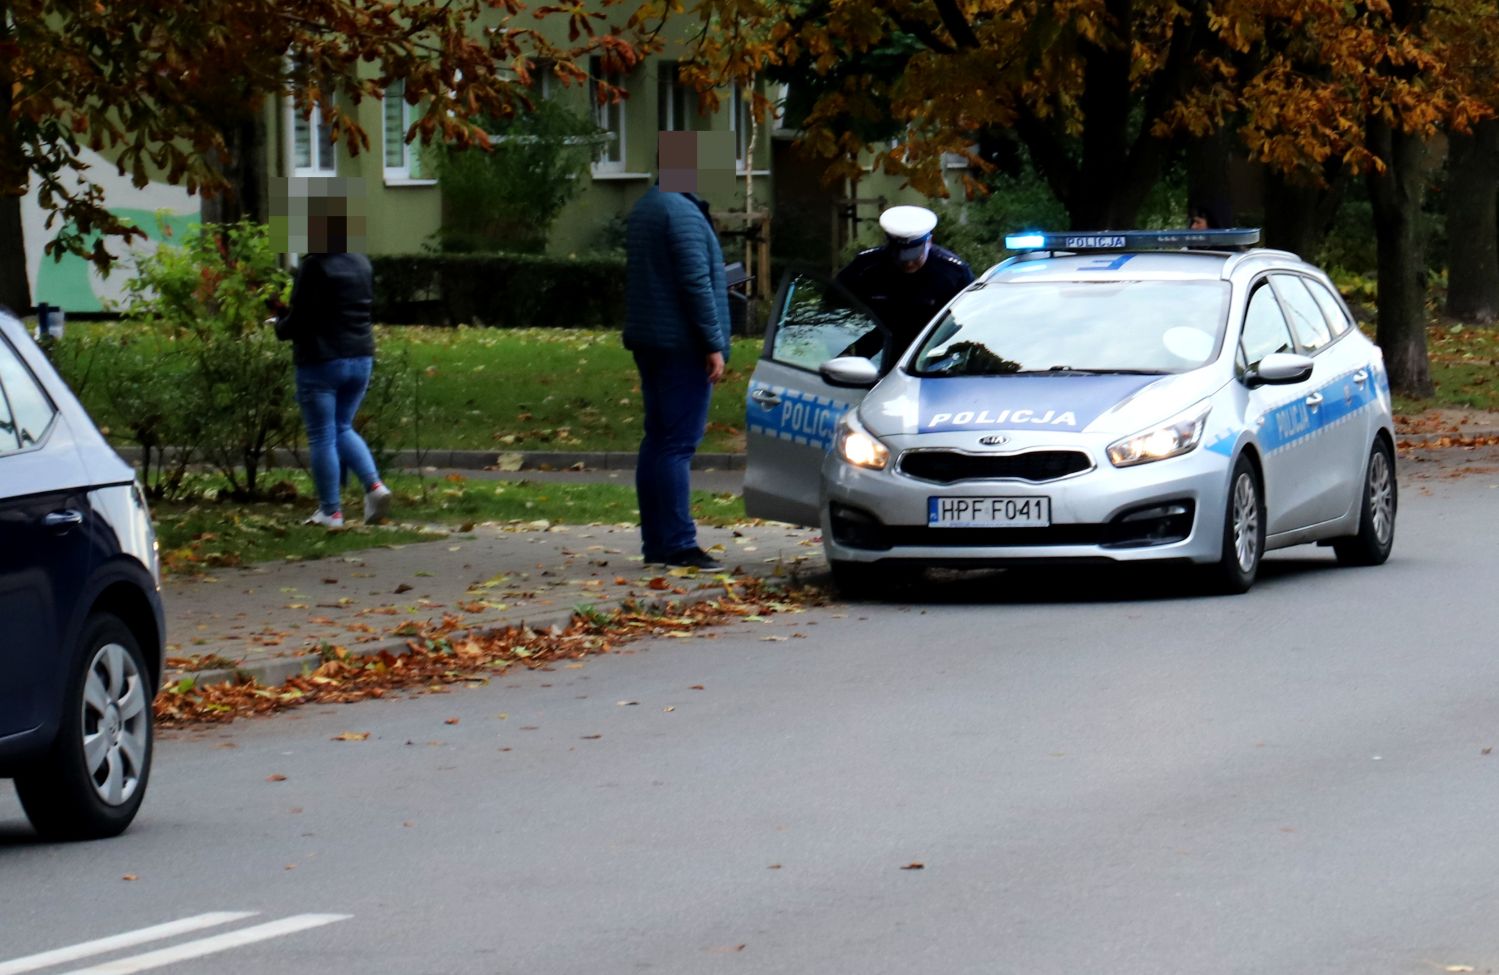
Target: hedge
[503, 290]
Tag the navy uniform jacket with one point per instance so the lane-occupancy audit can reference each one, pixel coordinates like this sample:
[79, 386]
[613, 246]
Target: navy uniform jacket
[905, 302]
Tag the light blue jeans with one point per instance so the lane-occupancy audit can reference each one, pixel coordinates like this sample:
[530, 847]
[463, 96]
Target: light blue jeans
[329, 394]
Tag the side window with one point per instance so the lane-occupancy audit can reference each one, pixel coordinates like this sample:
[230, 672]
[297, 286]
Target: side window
[1265, 328]
[1332, 308]
[1307, 320]
[26, 413]
[818, 323]
[9, 439]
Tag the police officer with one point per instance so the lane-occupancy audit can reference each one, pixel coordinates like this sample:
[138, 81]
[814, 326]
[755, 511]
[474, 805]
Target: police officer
[908, 279]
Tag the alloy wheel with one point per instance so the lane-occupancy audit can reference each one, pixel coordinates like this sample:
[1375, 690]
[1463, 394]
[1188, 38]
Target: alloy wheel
[116, 724]
[1381, 497]
[1246, 522]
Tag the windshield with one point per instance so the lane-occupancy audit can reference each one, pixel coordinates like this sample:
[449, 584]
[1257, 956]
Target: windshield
[1148, 327]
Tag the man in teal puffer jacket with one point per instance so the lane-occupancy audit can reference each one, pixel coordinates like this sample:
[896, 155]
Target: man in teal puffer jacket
[677, 326]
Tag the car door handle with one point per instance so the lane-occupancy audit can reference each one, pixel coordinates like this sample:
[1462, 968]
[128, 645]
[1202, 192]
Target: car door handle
[1361, 377]
[1314, 400]
[61, 521]
[765, 397]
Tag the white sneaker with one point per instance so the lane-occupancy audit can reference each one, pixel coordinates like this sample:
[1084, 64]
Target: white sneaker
[331, 522]
[376, 503]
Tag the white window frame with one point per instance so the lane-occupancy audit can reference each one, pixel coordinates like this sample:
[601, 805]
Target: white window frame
[669, 87]
[408, 172]
[604, 116]
[315, 125]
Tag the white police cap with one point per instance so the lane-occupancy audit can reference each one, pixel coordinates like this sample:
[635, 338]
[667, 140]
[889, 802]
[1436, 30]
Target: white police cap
[908, 229]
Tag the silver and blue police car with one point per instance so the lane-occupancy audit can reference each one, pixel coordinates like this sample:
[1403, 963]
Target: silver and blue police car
[1105, 398]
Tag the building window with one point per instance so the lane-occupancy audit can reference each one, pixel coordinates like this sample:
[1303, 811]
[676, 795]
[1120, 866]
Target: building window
[610, 118]
[741, 121]
[403, 160]
[676, 103]
[312, 143]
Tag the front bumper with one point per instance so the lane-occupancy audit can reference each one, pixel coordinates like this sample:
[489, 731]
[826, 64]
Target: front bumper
[1169, 510]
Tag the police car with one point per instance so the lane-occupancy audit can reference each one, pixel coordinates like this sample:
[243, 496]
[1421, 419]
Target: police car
[1097, 398]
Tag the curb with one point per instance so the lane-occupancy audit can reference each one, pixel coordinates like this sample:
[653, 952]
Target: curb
[277, 670]
[475, 460]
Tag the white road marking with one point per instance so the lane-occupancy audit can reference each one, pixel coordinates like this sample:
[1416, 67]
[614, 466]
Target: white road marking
[129, 939]
[216, 943]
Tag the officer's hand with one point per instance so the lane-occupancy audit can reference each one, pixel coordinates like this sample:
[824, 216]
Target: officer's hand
[715, 366]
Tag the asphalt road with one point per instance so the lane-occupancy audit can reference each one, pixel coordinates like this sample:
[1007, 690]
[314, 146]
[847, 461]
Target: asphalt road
[1095, 776]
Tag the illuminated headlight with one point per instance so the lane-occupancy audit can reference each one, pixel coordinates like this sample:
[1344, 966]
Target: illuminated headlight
[1176, 436]
[857, 446]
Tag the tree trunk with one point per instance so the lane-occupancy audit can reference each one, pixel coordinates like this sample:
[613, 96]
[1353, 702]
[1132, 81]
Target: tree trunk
[15, 290]
[1396, 194]
[1473, 224]
[243, 165]
[1209, 185]
[1298, 214]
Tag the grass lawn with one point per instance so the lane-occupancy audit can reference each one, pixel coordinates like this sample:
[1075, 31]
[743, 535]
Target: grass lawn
[206, 533]
[549, 389]
[1464, 366]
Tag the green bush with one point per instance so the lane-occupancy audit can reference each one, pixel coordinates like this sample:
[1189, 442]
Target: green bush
[975, 229]
[509, 290]
[508, 197]
[206, 301]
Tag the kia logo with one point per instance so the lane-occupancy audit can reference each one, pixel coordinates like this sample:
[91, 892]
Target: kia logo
[994, 440]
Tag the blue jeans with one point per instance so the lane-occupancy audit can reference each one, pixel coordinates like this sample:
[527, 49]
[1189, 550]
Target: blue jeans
[329, 394]
[675, 390]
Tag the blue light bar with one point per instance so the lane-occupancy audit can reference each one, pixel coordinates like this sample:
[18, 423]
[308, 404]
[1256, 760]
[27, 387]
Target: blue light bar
[1133, 240]
[1025, 242]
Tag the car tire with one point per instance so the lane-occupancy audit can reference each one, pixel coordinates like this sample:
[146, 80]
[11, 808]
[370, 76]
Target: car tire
[91, 783]
[1376, 517]
[1243, 532]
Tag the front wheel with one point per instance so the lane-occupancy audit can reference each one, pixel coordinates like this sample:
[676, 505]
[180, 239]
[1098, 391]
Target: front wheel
[1376, 520]
[1243, 532]
[91, 783]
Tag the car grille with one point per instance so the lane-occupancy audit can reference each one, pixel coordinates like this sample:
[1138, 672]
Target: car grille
[948, 466]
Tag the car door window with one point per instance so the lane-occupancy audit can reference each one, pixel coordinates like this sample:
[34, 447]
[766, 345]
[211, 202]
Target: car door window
[1307, 320]
[819, 322]
[9, 439]
[25, 411]
[1265, 329]
[1332, 308]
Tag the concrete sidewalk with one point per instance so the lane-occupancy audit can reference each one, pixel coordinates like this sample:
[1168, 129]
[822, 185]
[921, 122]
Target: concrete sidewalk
[271, 619]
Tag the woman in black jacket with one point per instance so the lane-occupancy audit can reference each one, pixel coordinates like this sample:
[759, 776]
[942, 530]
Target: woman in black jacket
[333, 345]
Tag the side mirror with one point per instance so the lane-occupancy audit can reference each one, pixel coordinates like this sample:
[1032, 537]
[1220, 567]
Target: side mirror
[1279, 369]
[853, 371]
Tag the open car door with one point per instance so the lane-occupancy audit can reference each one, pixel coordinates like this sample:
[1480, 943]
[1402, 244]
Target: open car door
[792, 412]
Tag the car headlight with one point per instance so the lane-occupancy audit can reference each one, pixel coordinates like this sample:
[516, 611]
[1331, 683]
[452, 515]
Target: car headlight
[858, 446]
[1176, 436]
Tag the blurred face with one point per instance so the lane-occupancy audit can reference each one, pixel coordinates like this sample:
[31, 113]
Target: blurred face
[911, 263]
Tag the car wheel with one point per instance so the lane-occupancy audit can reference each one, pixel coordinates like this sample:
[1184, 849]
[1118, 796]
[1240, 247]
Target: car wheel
[1376, 519]
[1243, 532]
[92, 781]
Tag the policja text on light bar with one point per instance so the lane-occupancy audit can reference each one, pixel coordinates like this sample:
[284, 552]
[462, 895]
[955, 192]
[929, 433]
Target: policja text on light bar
[1136, 240]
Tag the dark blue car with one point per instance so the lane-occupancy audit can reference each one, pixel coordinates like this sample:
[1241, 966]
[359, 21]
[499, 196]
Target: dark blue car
[81, 626]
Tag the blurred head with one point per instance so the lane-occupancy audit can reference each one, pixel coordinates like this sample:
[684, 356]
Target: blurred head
[318, 215]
